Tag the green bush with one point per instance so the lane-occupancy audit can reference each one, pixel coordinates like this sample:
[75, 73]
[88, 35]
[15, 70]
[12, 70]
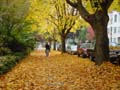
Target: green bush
[24, 42]
[4, 51]
[14, 46]
[8, 61]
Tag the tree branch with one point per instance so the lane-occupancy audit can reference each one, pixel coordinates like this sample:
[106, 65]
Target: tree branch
[68, 30]
[53, 22]
[106, 4]
[83, 12]
[75, 5]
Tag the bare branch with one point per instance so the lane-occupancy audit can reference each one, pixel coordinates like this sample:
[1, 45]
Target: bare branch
[105, 4]
[82, 10]
[75, 5]
[53, 22]
[108, 2]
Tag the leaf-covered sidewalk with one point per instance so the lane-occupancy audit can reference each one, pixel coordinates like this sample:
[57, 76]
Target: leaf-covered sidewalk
[60, 72]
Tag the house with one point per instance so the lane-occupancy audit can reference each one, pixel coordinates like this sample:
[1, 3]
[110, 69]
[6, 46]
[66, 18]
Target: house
[114, 27]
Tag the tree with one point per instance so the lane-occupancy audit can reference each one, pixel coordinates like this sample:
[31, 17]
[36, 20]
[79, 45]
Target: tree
[64, 19]
[38, 13]
[51, 35]
[83, 33]
[54, 36]
[12, 17]
[115, 6]
[14, 27]
[90, 34]
[98, 20]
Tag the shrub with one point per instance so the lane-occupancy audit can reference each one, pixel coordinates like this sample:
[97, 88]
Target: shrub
[24, 42]
[14, 47]
[8, 61]
[4, 51]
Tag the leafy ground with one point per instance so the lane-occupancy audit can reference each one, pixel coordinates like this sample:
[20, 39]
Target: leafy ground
[60, 72]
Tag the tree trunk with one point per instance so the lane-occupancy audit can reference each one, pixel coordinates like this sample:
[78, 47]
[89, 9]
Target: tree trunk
[102, 43]
[54, 43]
[63, 44]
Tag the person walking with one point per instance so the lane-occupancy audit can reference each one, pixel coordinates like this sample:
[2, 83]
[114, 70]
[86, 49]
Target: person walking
[47, 49]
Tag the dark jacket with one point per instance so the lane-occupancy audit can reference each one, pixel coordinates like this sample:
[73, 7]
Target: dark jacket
[47, 46]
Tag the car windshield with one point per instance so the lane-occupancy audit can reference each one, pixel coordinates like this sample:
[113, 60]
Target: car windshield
[86, 45]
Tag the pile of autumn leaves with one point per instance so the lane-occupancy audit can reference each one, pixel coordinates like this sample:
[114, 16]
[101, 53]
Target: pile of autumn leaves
[60, 72]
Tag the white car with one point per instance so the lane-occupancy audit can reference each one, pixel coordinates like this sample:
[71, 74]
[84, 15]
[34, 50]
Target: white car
[72, 49]
[112, 44]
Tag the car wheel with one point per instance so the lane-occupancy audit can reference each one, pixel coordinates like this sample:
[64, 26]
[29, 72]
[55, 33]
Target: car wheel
[78, 55]
[83, 56]
[71, 53]
[91, 58]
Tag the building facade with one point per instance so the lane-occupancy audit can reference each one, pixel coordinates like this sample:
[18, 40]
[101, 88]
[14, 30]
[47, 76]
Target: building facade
[114, 27]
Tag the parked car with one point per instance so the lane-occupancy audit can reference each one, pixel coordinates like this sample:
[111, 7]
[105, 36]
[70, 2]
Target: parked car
[87, 50]
[83, 48]
[72, 49]
[114, 56]
[113, 44]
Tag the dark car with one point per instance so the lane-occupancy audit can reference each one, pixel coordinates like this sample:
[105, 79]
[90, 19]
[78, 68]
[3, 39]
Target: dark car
[114, 56]
[87, 50]
[82, 49]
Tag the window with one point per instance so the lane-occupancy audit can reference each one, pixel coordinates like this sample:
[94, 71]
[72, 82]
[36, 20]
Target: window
[118, 29]
[115, 18]
[119, 17]
[111, 19]
[119, 40]
[114, 29]
[111, 30]
[114, 39]
[110, 39]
